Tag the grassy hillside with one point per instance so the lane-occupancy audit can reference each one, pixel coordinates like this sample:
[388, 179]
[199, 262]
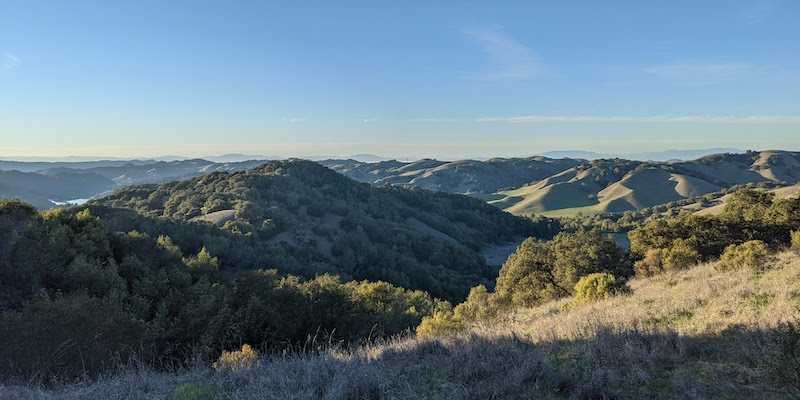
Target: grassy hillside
[477, 178]
[614, 186]
[692, 334]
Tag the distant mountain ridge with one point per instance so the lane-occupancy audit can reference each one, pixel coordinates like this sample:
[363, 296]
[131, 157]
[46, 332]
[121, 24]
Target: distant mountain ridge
[569, 186]
[538, 184]
[42, 184]
[665, 155]
[471, 177]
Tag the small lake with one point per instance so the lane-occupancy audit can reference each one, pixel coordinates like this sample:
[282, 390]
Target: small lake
[74, 202]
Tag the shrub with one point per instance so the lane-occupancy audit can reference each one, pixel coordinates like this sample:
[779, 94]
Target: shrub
[239, 360]
[203, 261]
[681, 255]
[441, 323]
[541, 271]
[651, 264]
[478, 306]
[796, 241]
[753, 255]
[597, 286]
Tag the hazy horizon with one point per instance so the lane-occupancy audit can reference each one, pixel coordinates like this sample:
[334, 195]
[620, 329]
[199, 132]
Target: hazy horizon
[143, 79]
[685, 153]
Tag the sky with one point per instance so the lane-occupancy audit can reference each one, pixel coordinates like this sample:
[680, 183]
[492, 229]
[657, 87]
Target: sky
[401, 79]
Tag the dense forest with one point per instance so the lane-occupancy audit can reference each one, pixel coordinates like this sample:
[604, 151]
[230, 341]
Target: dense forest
[305, 219]
[301, 253]
[77, 298]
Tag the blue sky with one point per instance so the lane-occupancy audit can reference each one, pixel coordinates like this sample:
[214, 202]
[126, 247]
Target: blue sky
[408, 79]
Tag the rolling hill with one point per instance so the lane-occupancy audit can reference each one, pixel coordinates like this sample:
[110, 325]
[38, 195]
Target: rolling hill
[558, 187]
[306, 219]
[613, 186]
[471, 177]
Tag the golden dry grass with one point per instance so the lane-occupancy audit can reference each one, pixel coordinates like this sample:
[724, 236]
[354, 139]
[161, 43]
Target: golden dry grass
[699, 301]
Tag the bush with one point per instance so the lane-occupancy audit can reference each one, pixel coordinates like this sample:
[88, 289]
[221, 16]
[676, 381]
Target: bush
[796, 241]
[753, 255]
[441, 323]
[681, 255]
[541, 271]
[651, 264]
[479, 306]
[239, 360]
[597, 286]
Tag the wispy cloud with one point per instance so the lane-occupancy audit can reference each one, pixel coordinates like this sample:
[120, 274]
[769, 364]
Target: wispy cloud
[437, 120]
[10, 61]
[509, 58]
[702, 74]
[757, 11]
[294, 120]
[665, 119]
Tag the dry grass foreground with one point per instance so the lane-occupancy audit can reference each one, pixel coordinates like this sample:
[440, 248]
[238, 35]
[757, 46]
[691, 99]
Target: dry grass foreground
[696, 334]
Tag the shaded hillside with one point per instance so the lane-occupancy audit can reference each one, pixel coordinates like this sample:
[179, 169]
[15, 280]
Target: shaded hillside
[306, 219]
[478, 178]
[59, 186]
[35, 166]
[160, 171]
[40, 182]
[613, 186]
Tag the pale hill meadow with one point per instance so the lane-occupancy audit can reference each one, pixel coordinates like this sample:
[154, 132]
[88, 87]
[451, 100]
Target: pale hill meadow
[698, 333]
[616, 186]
